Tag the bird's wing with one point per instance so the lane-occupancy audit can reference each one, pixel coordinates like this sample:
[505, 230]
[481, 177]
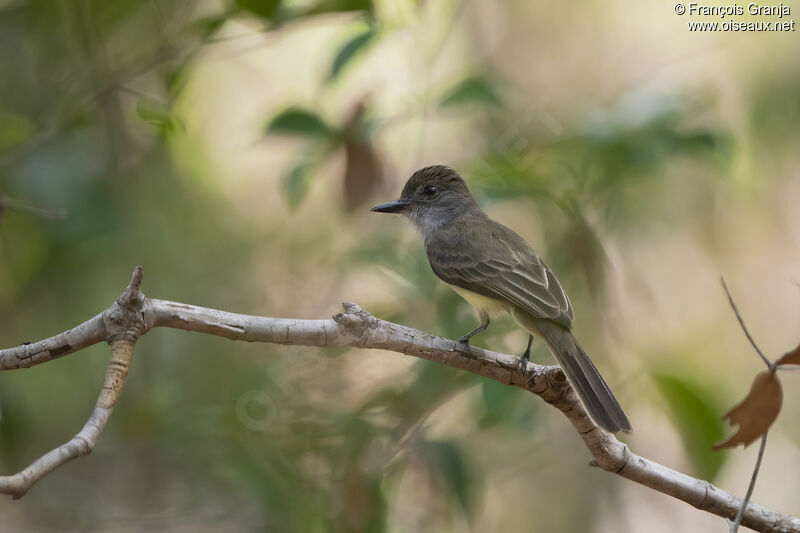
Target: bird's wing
[505, 268]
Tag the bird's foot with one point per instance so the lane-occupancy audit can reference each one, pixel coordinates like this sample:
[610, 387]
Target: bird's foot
[464, 345]
[522, 362]
[526, 356]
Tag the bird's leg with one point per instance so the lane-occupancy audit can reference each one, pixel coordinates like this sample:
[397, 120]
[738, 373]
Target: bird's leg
[527, 354]
[484, 324]
[525, 357]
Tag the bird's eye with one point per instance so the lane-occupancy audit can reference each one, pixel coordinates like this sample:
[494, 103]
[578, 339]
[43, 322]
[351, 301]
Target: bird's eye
[430, 190]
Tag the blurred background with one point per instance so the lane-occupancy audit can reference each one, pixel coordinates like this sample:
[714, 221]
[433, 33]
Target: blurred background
[233, 148]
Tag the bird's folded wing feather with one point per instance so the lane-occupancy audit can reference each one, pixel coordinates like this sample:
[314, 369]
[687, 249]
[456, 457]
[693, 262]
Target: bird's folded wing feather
[505, 268]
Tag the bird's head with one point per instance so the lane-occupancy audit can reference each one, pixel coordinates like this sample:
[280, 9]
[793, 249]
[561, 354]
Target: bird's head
[431, 197]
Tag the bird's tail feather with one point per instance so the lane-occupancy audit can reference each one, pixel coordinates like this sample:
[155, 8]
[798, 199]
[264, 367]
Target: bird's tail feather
[593, 391]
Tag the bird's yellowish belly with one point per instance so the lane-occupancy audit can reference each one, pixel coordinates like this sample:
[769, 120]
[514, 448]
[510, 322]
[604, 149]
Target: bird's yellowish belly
[481, 303]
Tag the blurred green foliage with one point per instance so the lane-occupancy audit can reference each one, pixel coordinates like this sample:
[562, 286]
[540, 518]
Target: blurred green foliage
[776, 110]
[350, 50]
[297, 121]
[698, 419]
[477, 90]
[97, 118]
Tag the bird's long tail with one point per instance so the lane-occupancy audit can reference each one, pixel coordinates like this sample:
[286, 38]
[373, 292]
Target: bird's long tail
[593, 391]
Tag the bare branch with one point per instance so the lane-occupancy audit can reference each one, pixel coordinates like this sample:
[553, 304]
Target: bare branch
[29, 354]
[81, 444]
[133, 315]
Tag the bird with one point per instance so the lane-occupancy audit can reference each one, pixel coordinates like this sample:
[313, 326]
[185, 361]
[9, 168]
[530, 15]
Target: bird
[496, 271]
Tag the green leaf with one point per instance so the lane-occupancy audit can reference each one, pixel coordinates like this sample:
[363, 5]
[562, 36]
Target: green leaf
[297, 180]
[447, 458]
[698, 420]
[155, 113]
[298, 121]
[349, 51]
[14, 129]
[208, 26]
[338, 6]
[474, 90]
[263, 8]
[175, 81]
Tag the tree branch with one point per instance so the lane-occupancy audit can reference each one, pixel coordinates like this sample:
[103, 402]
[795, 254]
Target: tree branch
[132, 315]
[81, 444]
[120, 325]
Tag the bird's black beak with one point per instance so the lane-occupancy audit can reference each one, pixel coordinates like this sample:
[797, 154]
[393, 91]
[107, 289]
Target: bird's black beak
[391, 207]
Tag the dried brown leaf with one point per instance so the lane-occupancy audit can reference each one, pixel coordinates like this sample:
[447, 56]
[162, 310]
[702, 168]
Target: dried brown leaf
[790, 358]
[756, 413]
[363, 175]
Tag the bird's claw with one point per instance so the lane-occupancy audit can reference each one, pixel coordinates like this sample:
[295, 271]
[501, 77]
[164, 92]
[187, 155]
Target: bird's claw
[465, 346]
[522, 363]
[526, 356]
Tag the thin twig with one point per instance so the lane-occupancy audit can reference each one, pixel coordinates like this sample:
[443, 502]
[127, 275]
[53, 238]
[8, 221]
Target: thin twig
[767, 362]
[6, 202]
[734, 527]
[738, 520]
